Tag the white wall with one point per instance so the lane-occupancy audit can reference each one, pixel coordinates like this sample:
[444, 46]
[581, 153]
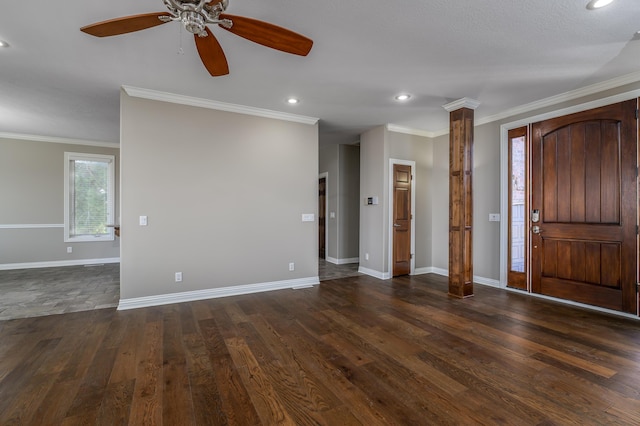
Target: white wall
[223, 192]
[32, 206]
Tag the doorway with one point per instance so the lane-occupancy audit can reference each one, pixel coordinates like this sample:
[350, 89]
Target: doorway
[583, 187]
[402, 212]
[322, 217]
[582, 218]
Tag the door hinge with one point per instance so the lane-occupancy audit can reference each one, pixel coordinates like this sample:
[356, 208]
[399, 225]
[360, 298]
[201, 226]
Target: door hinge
[636, 114]
[411, 256]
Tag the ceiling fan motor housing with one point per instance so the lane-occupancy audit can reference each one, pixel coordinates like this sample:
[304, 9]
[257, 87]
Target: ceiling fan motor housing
[193, 22]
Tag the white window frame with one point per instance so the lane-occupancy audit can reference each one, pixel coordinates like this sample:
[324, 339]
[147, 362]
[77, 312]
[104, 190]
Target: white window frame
[69, 158]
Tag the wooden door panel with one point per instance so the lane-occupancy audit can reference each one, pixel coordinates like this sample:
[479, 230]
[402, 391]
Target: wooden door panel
[401, 220]
[584, 180]
[589, 262]
[581, 292]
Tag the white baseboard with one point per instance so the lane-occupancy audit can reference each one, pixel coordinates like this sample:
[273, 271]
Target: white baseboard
[476, 279]
[428, 270]
[486, 281]
[432, 270]
[342, 261]
[214, 293]
[376, 274]
[57, 263]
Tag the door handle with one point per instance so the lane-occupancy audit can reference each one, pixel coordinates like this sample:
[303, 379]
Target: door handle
[536, 229]
[395, 225]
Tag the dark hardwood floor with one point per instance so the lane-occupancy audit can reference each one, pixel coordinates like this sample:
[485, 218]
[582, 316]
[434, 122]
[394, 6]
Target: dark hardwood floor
[350, 351]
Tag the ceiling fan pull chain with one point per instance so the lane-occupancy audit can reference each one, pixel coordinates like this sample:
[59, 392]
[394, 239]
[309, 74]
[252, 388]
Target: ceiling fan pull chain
[180, 51]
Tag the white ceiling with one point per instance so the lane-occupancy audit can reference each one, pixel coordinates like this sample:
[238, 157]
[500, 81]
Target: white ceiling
[57, 81]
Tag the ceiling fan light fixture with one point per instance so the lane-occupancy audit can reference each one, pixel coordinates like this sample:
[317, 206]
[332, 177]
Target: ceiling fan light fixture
[597, 4]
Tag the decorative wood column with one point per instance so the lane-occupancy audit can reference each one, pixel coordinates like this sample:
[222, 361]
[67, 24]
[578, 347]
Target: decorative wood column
[461, 196]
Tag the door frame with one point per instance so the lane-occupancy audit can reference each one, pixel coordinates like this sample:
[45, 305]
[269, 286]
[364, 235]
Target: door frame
[412, 164]
[504, 172]
[324, 175]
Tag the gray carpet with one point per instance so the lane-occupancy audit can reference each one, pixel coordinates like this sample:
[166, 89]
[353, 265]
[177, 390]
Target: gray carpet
[36, 292]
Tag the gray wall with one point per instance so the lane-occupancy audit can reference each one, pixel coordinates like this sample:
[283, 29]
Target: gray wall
[224, 194]
[32, 193]
[419, 149]
[373, 218]
[377, 147]
[342, 164]
[486, 188]
[329, 163]
[348, 214]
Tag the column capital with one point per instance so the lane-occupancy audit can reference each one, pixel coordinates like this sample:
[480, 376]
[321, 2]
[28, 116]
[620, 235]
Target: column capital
[461, 103]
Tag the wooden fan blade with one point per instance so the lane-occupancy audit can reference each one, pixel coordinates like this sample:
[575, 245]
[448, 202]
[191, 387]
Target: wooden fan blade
[211, 54]
[127, 24]
[269, 35]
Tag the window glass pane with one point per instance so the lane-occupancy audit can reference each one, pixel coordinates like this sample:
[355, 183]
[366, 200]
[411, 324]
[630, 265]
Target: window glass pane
[90, 198]
[517, 203]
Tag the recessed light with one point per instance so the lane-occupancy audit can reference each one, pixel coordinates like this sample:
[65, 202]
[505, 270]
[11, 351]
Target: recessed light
[293, 101]
[403, 97]
[4, 43]
[597, 4]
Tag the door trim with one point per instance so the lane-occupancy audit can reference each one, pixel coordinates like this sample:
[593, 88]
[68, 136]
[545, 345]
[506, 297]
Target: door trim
[412, 164]
[504, 162]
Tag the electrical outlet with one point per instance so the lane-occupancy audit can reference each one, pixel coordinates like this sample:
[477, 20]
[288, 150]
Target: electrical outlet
[366, 256]
[292, 266]
[178, 277]
[69, 249]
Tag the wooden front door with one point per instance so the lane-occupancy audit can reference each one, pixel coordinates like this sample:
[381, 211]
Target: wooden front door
[401, 220]
[322, 217]
[584, 187]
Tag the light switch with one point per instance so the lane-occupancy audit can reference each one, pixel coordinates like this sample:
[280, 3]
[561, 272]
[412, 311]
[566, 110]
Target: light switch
[143, 221]
[494, 217]
[332, 215]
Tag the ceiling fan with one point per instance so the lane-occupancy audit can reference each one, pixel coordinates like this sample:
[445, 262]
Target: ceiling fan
[195, 15]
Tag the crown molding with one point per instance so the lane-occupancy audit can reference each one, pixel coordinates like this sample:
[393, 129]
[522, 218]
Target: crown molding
[461, 103]
[155, 95]
[409, 131]
[564, 97]
[53, 139]
[592, 89]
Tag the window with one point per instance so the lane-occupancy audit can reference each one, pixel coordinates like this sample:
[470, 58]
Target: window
[88, 197]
